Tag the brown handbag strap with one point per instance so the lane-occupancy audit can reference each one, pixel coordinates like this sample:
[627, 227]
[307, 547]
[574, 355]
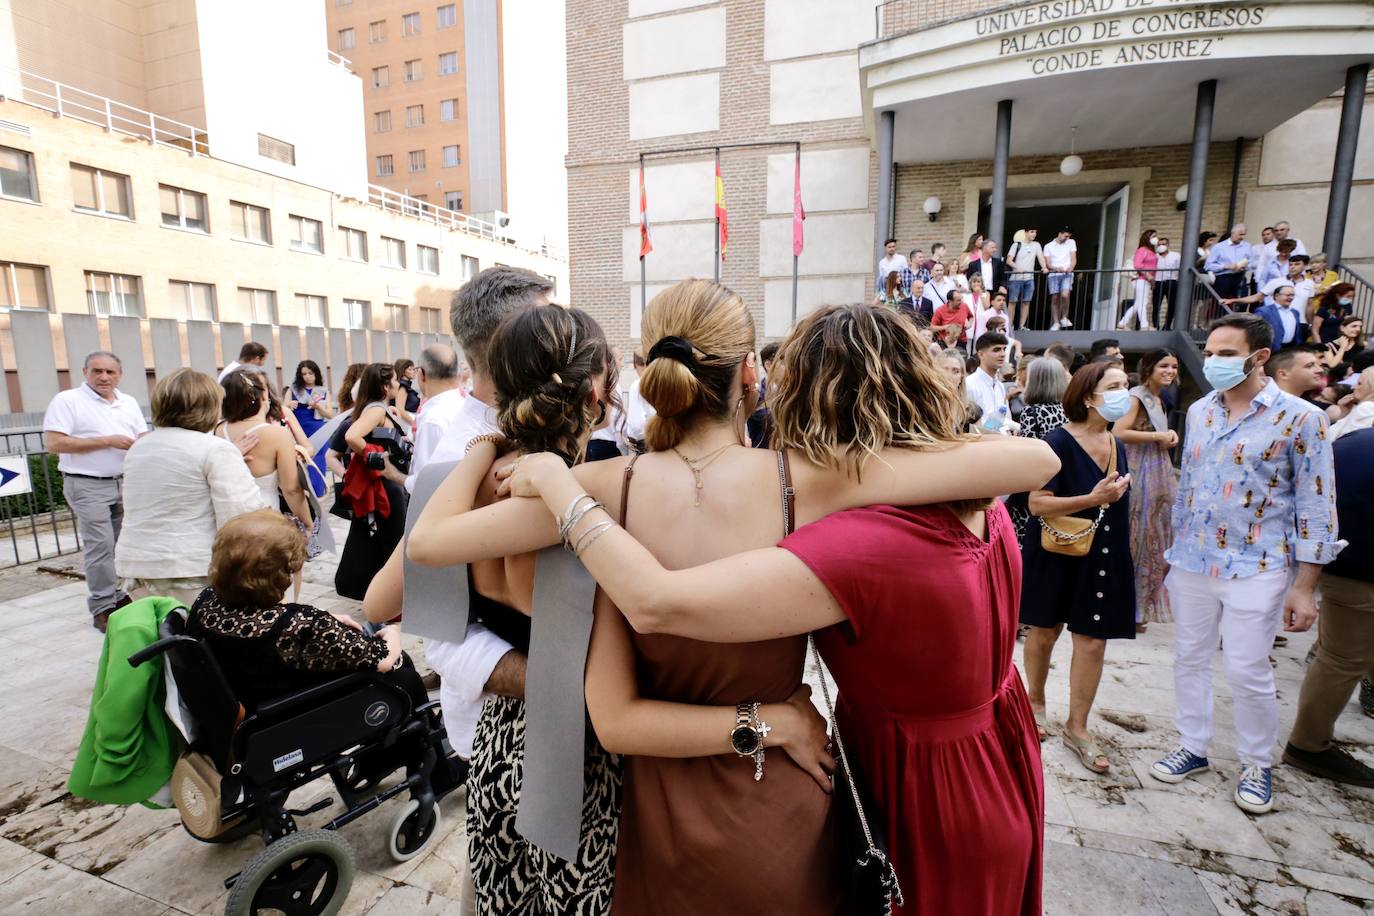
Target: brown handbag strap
[1111, 461]
[789, 493]
[625, 489]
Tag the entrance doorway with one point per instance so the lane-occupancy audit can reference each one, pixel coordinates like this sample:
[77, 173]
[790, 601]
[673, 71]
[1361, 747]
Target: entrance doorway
[1096, 214]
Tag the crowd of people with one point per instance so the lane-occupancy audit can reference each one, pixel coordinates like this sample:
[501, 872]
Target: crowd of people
[779, 495]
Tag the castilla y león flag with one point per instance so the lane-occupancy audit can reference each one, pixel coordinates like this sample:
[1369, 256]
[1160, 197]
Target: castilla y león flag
[645, 245]
[721, 217]
[798, 212]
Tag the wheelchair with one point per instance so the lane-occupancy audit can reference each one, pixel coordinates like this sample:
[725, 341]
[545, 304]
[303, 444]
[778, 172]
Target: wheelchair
[357, 729]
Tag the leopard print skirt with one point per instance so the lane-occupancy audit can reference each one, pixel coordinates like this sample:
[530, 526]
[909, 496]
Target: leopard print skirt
[513, 877]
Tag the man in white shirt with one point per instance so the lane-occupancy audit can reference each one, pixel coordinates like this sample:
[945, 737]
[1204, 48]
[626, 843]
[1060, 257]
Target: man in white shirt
[252, 355]
[444, 396]
[482, 663]
[936, 292]
[1061, 259]
[637, 410]
[90, 428]
[890, 262]
[1023, 256]
[1166, 279]
[984, 387]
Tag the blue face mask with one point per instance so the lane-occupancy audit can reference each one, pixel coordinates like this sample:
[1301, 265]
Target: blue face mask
[1225, 372]
[1346, 302]
[1115, 405]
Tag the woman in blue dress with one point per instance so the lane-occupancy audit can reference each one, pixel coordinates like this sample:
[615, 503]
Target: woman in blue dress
[308, 399]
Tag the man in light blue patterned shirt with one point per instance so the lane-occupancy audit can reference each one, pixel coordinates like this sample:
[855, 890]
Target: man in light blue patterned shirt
[1254, 522]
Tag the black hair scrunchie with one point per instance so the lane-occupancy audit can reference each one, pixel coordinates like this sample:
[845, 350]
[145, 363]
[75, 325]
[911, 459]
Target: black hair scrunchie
[675, 348]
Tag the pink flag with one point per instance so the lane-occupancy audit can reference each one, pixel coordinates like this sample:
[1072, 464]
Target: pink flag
[798, 212]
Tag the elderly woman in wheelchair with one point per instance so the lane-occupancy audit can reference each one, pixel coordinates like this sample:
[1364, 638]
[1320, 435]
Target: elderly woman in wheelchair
[277, 695]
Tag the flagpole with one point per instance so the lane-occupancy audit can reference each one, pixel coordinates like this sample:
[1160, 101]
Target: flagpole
[643, 275]
[714, 191]
[794, 251]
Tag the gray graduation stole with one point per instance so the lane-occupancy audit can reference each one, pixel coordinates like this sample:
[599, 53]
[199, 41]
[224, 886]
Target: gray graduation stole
[436, 607]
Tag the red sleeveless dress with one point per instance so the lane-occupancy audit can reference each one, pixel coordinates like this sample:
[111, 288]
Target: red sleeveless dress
[931, 705]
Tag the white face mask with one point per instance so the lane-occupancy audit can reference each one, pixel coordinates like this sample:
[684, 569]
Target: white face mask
[1154, 240]
[1163, 249]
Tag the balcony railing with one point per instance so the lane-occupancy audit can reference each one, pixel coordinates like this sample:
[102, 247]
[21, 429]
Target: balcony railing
[897, 17]
[339, 60]
[70, 102]
[396, 202]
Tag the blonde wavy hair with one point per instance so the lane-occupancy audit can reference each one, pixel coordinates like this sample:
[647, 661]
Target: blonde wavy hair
[851, 380]
[713, 324]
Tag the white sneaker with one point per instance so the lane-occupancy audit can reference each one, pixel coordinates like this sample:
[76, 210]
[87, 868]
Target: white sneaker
[1065, 324]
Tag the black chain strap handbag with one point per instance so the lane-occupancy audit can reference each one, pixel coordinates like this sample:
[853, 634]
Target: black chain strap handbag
[873, 888]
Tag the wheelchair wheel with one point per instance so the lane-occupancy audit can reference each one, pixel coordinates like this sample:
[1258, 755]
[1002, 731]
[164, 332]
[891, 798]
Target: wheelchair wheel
[303, 874]
[412, 829]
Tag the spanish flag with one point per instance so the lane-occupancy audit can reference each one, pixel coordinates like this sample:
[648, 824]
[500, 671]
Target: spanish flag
[721, 219]
[645, 245]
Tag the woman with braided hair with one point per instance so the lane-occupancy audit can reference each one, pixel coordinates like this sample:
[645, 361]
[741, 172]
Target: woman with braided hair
[698, 805]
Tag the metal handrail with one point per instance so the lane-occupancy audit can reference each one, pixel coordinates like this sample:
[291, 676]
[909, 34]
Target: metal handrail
[1206, 301]
[116, 117]
[1363, 306]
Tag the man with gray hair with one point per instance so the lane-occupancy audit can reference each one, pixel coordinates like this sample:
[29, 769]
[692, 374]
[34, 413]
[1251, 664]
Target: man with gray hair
[90, 428]
[482, 663]
[1228, 261]
[443, 400]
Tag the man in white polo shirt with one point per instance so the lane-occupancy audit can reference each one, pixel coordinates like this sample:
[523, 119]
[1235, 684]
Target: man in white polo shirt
[1061, 260]
[91, 428]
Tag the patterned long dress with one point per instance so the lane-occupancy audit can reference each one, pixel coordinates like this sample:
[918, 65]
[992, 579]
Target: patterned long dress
[1154, 484]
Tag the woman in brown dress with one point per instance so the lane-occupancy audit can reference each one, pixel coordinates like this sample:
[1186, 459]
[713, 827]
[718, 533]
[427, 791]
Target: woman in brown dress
[699, 832]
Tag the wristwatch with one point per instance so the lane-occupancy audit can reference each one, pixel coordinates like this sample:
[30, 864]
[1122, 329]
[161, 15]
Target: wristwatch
[746, 738]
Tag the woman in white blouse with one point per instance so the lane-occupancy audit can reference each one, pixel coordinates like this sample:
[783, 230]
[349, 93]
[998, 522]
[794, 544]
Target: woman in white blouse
[181, 484]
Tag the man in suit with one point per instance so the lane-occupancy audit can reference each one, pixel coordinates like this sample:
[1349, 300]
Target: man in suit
[1286, 321]
[992, 268]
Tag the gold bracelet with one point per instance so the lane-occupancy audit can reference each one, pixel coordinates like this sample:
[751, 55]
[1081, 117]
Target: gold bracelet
[495, 439]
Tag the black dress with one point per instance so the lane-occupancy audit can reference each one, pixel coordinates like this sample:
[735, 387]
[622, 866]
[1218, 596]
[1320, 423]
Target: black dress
[1093, 595]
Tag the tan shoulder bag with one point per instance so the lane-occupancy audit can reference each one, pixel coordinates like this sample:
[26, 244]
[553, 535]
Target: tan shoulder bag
[1070, 535]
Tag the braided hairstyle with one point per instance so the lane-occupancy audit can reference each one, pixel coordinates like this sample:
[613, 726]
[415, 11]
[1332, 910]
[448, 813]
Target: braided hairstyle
[544, 362]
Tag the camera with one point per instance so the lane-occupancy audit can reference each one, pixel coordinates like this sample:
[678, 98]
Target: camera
[398, 450]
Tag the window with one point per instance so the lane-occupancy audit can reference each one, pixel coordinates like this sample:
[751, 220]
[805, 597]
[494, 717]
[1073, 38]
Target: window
[384, 167]
[359, 314]
[306, 234]
[113, 294]
[397, 318]
[426, 259]
[553, 285]
[313, 309]
[448, 110]
[393, 252]
[470, 267]
[280, 150]
[410, 25]
[376, 32]
[448, 63]
[415, 116]
[183, 209]
[429, 321]
[23, 286]
[452, 157]
[412, 71]
[347, 40]
[98, 191]
[381, 77]
[447, 16]
[453, 200]
[251, 224]
[381, 121]
[197, 300]
[16, 174]
[258, 305]
[416, 160]
[354, 243]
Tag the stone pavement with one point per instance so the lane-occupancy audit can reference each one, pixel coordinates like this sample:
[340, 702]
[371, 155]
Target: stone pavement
[1119, 844]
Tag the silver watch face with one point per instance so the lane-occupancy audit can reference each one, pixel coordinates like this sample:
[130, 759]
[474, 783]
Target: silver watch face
[745, 739]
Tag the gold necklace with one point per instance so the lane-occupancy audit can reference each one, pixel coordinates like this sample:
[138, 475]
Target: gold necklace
[697, 465]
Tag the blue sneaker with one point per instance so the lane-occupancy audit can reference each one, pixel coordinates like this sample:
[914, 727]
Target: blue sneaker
[1255, 791]
[1178, 766]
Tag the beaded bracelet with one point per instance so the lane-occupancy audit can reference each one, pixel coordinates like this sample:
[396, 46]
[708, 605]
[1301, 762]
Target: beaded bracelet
[494, 438]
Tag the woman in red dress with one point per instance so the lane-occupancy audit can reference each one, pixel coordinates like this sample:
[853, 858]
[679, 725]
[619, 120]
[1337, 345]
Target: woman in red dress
[915, 608]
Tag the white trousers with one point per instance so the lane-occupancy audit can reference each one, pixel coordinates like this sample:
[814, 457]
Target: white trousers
[1140, 310]
[1246, 614]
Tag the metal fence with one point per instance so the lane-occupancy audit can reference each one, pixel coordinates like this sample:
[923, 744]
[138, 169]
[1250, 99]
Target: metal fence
[39, 523]
[1363, 306]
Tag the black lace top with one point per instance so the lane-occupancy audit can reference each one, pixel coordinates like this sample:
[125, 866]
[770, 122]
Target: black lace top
[268, 652]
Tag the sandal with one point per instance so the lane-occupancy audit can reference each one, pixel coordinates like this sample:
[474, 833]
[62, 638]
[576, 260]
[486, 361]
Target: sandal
[1042, 725]
[1088, 752]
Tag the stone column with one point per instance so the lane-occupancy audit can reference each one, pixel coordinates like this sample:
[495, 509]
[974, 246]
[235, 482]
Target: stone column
[1181, 312]
[1001, 152]
[1343, 171]
[887, 121]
